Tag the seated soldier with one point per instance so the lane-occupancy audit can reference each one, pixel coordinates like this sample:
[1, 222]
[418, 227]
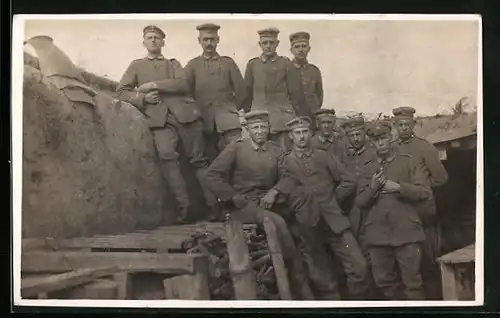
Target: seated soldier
[319, 175]
[394, 183]
[247, 177]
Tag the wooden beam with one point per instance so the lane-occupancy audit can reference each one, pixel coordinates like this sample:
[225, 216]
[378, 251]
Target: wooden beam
[449, 283]
[240, 264]
[186, 287]
[34, 286]
[124, 241]
[463, 255]
[277, 259]
[98, 289]
[131, 262]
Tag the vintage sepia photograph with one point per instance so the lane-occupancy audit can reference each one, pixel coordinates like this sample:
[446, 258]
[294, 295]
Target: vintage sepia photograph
[176, 160]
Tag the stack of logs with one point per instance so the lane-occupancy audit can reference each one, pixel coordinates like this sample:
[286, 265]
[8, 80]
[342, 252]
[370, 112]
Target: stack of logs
[220, 283]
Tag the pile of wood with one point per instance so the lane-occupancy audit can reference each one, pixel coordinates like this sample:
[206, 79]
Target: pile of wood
[220, 282]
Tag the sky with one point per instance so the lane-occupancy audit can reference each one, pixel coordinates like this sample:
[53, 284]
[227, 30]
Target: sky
[368, 66]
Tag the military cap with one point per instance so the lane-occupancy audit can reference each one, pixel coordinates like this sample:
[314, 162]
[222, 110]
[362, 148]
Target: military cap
[404, 111]
[299, 36]
[208, 27]
[353, 123]
[380, 129]
[256, 116]
[153, 28]
[271, 32]
[299, 122]
[324, 112]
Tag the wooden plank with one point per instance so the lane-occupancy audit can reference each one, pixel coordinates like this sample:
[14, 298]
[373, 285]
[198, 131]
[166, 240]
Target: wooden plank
[131, 242]
[124, 281]
[240, 264]
[98, 289]
[277, 259]
[449, 283]
[64, 261]
[187, 287]
[463, 255]
[33, 286]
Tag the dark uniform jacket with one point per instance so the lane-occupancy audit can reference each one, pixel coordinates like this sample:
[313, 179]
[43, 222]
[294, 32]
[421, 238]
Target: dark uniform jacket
[170, 78]
[246, 169]
[393, 219]
[318, 173]
[334, 145]
[312, 87]
[273, 86]
[219, 90]
[427, 157]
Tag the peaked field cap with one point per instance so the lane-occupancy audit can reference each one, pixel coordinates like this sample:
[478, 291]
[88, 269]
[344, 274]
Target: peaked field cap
[269, 32]
[404, 111]
[324, 112]
[299, 122]
[153, 28]
[256, 116]
[208, 27]
[299, 36]
[353, 122]
[382, 128]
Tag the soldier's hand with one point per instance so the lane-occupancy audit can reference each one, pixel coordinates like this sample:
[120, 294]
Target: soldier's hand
[147, 87]
[268, 200]
[391, 187]
[239, 201]
[378, 180]
[152, 97]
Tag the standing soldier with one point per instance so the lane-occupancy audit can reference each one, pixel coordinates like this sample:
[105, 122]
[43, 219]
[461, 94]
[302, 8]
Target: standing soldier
[219, 90]
[325, 138]
[310, 75]
[247, 177]
[157, 87]
[427, 157]
[318, 173]
[393, 185]
[273, 86]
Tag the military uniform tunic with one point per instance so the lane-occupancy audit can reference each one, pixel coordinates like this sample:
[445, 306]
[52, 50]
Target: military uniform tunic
[333, 145]
[312, 86]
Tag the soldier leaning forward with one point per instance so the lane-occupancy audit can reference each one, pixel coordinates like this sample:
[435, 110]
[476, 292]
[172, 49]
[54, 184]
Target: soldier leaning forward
[392, 188]
[247, 177]
[426, 155]
[319, 175]
[273, 86]
[218, 87]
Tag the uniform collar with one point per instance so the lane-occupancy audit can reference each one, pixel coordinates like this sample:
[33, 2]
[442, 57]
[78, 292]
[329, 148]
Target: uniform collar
[353, 152]
[299, 64]
[324, 139]
[214, 56]
[271, 58]
[388, 159]
[302, 153]
[257, 147]
[406, 141]
[155, 57]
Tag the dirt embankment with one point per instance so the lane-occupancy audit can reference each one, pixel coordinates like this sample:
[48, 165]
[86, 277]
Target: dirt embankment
[86, 170]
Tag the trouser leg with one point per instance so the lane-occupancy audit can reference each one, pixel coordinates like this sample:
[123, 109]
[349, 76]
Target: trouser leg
[166, 141]
[228, 137]
[346, 248]
[431, 273]
[384, 268]
[409, 257]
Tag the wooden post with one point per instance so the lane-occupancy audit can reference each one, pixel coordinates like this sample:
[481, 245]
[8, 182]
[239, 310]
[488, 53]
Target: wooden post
[240, 264]
[450, 288]
[277, 258]
[124, 280]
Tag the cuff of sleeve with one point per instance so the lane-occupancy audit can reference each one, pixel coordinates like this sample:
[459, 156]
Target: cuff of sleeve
[404, 190]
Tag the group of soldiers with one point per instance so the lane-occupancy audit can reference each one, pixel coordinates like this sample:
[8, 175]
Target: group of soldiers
[362, 197]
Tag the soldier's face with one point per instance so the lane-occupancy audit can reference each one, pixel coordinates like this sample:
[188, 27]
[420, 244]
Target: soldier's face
[208, 41]
[326, 126]
[268, 45]
[153, 42]
[300, 50]
[258, 132]
[382, 144]
[404, 127]
[301, 137]
[357, 138]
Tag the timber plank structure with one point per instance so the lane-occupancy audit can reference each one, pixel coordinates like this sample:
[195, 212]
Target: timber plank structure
[102, 266]
[457, 274]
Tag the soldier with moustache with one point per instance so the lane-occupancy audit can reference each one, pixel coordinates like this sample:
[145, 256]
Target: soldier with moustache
[273, 86]
[393, 186]
[427, 157]
[249, 178]
[157, 86]
[320, 175]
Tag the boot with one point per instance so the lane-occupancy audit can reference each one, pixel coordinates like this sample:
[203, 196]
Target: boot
[172, 174]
